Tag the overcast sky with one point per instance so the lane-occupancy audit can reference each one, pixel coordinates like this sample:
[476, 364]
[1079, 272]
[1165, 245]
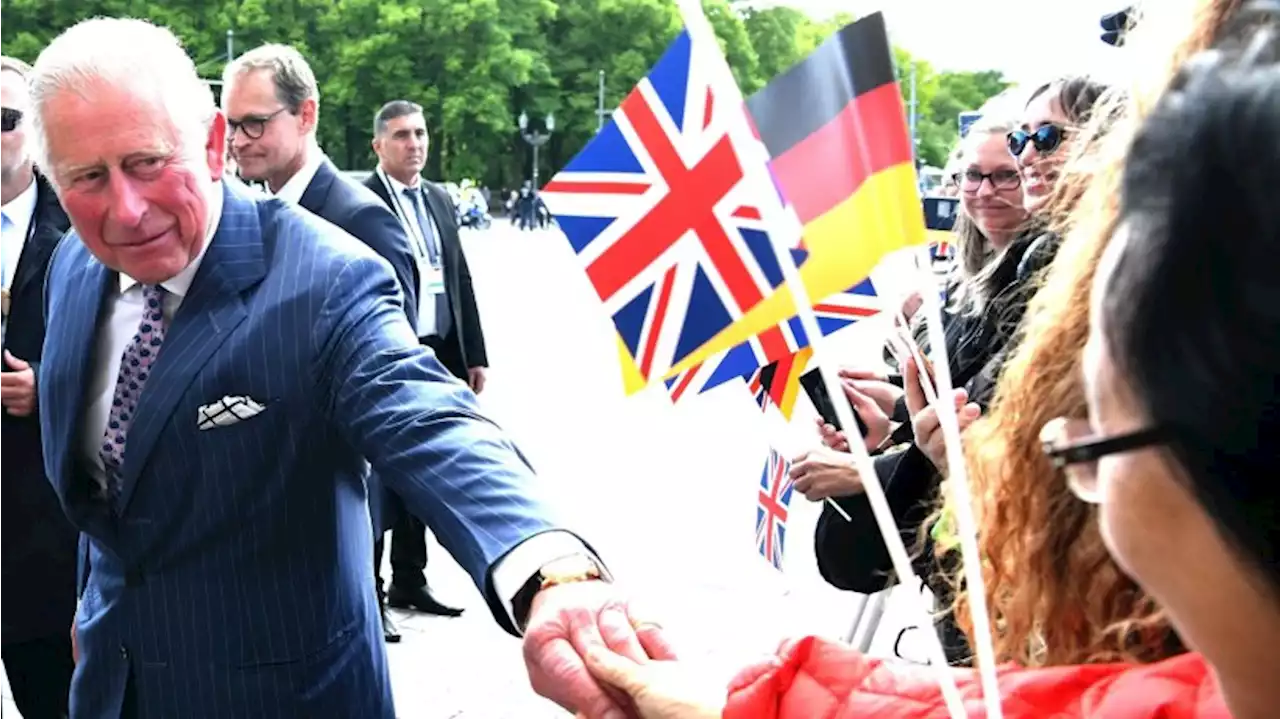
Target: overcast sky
[1028, 40]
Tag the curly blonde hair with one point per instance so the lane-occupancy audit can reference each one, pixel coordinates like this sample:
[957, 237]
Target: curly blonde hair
[1055, 595]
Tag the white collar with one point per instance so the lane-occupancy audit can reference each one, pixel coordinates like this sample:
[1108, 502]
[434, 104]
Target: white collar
[398, 186]
[22, 208]
[180, 283]
[297, 185]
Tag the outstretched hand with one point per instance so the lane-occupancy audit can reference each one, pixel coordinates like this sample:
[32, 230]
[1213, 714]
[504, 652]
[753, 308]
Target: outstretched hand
[568, 621]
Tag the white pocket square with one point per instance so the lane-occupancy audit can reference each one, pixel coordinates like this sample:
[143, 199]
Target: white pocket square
[228, 411]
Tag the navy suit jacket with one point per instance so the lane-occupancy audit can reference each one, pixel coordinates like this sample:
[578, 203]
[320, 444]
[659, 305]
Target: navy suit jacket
[196, 570]
[363, 215]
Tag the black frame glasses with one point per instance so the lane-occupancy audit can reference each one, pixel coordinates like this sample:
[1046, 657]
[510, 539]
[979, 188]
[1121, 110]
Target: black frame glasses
[10, 119]
[1046, 139]
[1070, 448]
[1092, 449]
[971, 179]
[253, 126]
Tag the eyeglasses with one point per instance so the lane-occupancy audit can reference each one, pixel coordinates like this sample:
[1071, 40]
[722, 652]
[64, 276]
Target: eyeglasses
[253, 126]
[10, 119]
[1046, 139]
[971, 180]
[1071, 446]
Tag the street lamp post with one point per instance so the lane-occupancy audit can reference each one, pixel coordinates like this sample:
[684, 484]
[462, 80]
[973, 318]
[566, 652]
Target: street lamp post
[536, 139]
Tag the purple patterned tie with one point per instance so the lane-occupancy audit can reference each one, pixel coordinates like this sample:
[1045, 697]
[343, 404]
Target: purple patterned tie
[135, 367]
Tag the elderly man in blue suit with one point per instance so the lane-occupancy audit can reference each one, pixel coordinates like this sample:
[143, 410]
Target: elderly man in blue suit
[216, 369]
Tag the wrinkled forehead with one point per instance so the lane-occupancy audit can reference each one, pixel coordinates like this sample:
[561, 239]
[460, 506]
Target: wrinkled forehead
[13, 90]
[103, 124]
[410, 124]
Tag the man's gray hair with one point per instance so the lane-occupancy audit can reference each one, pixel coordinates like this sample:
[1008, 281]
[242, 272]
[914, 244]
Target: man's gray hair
[391, 111]
[293, 78]
[145, 59]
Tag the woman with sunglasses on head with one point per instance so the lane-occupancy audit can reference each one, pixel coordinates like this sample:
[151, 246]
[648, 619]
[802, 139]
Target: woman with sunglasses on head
[1051, 585]
[1179, 452]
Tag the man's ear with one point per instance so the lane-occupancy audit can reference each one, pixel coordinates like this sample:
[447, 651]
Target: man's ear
[216, 145]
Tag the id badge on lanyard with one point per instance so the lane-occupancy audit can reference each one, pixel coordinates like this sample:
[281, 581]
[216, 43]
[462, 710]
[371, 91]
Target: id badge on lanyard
[432, 277]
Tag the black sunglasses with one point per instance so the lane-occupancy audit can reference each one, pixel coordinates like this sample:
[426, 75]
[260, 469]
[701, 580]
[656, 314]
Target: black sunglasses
[10, 119]
[1045, 138]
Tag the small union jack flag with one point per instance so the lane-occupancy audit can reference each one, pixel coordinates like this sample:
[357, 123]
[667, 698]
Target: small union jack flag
[664, 215]
[942, 251]
[774, 501]
[853, 305]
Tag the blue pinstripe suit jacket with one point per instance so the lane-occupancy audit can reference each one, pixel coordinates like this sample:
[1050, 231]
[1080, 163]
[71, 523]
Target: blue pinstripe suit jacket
[197, 570]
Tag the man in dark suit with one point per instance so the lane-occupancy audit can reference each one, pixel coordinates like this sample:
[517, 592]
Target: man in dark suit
[448, 320]
[219, 370]
[39, 544]
[271, 100]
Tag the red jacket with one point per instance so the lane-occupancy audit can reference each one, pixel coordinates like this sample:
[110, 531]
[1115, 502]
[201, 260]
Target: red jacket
[816, 679]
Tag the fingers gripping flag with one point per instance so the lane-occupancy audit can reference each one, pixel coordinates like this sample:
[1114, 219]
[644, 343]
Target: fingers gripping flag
[772, 506]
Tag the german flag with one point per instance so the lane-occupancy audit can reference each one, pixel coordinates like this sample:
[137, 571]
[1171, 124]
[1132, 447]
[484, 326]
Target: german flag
[841, 156]
[779, 383]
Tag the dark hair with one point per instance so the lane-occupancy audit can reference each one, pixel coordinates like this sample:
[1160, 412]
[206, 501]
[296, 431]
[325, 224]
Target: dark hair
[1077, 96]
[1191, 310]
[391, 111]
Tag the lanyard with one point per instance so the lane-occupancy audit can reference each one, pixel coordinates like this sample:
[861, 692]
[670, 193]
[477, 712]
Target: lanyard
[410, 221]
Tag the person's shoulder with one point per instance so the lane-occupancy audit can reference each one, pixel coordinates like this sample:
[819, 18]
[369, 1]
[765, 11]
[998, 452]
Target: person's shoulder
[285, 226]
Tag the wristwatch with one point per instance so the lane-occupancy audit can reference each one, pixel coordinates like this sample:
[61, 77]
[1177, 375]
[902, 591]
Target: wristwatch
[565, 570]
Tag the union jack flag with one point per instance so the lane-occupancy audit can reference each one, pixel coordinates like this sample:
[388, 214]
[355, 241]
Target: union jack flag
[778, 344]
[853, 305]
[773, 505]
[664, 216]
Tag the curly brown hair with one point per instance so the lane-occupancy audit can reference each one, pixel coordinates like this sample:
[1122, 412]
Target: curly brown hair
[1055, 595]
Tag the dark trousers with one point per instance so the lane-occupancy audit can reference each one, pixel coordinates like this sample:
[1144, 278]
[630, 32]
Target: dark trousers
[39, 672]
[408, 533]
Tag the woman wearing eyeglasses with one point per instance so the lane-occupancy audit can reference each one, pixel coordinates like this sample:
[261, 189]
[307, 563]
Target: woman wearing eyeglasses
[1179, 453]
[985, 307]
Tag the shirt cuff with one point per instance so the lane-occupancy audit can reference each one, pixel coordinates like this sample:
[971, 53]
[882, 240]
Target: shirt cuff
[519, 565]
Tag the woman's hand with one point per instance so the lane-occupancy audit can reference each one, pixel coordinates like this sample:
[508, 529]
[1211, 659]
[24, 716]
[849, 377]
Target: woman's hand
[925, 423]
[873, 400]
[660, 689]
[823, 472]
[874, 385]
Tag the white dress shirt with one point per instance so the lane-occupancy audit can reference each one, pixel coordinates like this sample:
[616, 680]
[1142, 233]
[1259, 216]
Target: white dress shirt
[21, 212]
[120, 317]
[409, 219]
[297, 185]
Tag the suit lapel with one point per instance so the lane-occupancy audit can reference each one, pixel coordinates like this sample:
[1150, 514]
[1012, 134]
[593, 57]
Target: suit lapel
[212, 308]
[72, 357]
[448, 231]
[317, 192]
[47, 225]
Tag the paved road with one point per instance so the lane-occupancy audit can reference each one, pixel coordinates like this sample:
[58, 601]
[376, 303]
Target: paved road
[666, 494]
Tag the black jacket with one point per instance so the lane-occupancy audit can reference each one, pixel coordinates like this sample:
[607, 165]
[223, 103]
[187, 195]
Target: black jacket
[852, 554]
[39, 543]
[464, 344]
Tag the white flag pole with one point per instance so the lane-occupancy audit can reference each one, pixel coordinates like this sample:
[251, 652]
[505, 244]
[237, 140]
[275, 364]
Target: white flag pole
[706, 52]
[961, 496]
